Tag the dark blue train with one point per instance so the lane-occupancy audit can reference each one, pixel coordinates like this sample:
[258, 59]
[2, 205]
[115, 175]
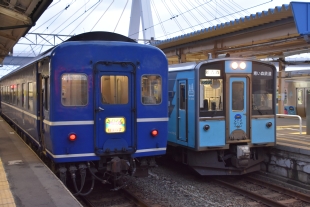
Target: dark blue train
[221, 114]
[96, 101]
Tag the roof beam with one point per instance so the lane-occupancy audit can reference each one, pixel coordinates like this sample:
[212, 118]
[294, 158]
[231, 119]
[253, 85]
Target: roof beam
[7, 36]
[15, 15]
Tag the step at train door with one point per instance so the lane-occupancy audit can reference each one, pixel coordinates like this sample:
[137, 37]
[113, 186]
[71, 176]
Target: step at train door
[238, 109]
[114, 108]
[182, 110]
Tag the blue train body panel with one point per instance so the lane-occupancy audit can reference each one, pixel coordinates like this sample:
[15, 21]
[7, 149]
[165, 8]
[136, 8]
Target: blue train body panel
[215, 137]
[261, 133]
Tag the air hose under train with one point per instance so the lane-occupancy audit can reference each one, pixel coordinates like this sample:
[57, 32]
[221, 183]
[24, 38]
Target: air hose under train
[82, 169]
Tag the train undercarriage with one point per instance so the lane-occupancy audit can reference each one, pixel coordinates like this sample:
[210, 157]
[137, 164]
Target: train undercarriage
[237, 160]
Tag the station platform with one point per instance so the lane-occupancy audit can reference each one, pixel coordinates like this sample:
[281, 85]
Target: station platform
[24, 179]
[288, 135]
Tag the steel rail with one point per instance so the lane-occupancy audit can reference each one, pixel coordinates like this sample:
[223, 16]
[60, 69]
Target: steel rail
[134, 198]
[252, 195]
[291, 193]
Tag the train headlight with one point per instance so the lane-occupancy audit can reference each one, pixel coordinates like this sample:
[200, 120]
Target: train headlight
[269, 124]
[206, 127]
[242, 65]
[154, 132]
[234, 65]
[72, 137]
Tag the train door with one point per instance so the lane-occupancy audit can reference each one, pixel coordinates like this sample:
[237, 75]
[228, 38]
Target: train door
[182, 110]
[114, 108]
[238, 108]
[300, 102]
[40, 114]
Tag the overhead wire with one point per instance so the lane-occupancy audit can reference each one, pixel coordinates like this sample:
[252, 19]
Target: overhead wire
[190, 12]
[230, 14]
[173, 17]
[210, 13]
[188, 22]
[102, 15]
[158, 17]
[239, 7]
[198, 11]
[85, 17]
[120, 16]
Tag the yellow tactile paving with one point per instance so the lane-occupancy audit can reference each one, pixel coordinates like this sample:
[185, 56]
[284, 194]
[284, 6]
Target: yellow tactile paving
[6, 197]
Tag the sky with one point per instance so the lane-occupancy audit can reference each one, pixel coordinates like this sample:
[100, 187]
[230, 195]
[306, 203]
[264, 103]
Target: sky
[170, 18]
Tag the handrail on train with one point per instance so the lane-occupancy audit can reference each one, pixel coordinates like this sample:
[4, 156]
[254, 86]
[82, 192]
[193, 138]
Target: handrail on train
[293, 116]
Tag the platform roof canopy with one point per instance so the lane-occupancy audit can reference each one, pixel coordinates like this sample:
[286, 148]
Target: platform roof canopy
[16, 19]
[278, 32]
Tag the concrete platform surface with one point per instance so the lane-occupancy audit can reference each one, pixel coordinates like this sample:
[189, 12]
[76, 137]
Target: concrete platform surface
[24, 179]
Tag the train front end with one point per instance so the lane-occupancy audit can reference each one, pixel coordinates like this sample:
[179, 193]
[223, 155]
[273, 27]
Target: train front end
[231, 105]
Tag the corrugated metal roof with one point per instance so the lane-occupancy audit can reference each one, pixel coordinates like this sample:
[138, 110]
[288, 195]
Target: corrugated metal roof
[278, 13]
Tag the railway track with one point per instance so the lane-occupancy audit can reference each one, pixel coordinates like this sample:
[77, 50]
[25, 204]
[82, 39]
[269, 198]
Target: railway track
[266, 193]
[120, 198]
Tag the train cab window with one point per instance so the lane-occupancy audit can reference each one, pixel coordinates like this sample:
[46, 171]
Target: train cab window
[74, 89]
[151, 89]
[211, 95]
[30, 96]
[114, 89]
[263, 85]
[23, 95]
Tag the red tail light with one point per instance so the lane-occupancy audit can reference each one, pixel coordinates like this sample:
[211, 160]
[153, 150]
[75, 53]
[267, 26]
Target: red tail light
[72, 137]
[154, 132]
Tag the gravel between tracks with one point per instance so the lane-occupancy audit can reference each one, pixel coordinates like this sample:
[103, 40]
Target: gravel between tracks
[171, 185]
[177, 186]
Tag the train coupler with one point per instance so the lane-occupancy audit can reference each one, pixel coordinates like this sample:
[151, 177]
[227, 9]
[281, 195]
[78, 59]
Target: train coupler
[243, 156]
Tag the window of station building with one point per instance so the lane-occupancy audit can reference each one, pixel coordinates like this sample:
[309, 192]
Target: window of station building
[30, 96]
[263, 89]
[114, 89]
[23, 95]
[151, 89]
[74, 89]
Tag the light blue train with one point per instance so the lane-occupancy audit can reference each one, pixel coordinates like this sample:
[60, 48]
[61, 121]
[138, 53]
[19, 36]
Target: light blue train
[221, 114]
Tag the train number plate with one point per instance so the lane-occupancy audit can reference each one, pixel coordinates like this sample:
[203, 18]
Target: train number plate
[115, 125]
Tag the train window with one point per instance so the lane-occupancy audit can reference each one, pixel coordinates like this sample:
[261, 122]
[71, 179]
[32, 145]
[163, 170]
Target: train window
[114, 89]
[211, 97]
[23, 95]
[182, 96]
[46, 92]
[151, 89]
[30, 96]
[263, 85]
[74, 90]
[13, 88]
[17, 94]
[237, 96]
